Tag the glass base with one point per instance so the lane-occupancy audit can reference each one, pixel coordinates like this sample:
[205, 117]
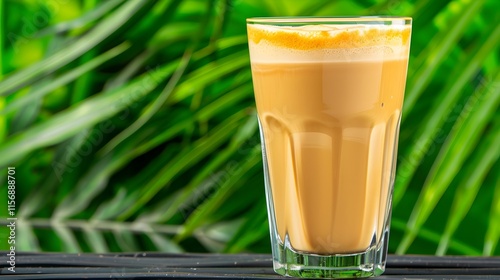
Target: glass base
[288, 262]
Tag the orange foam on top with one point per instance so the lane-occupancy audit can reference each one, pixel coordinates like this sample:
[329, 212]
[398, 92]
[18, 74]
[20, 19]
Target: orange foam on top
[314, 37]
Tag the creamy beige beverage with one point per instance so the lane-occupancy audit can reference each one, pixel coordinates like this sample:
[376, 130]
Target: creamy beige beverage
[329, 105]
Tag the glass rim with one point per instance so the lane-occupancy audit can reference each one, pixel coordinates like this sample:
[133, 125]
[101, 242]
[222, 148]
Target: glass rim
[399, 20]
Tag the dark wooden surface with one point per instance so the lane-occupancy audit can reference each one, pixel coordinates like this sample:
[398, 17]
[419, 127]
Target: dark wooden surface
[214, 266]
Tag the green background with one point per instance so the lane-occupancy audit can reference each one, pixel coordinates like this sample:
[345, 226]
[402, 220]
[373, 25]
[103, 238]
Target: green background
[132, 127]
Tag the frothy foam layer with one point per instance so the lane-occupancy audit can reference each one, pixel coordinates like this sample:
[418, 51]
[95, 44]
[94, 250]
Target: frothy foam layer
[351, 42]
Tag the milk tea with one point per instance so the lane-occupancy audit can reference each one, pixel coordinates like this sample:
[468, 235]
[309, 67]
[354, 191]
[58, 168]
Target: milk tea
[329, 101]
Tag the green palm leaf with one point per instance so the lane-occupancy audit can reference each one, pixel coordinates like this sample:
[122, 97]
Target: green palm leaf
[460, 142]
[428, 60]
[38, 93]
[467, 191]
[434, 121]
[85, 115]
[68, 54]
[493, 233]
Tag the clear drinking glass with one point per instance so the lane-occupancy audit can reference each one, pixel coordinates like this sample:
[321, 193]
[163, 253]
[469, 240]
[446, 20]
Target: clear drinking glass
[329, 93]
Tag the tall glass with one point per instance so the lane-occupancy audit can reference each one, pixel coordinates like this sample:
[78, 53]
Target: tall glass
[329, 93]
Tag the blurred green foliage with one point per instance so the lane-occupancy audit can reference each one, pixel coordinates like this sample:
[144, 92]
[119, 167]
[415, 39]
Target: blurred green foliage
[131, 125]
